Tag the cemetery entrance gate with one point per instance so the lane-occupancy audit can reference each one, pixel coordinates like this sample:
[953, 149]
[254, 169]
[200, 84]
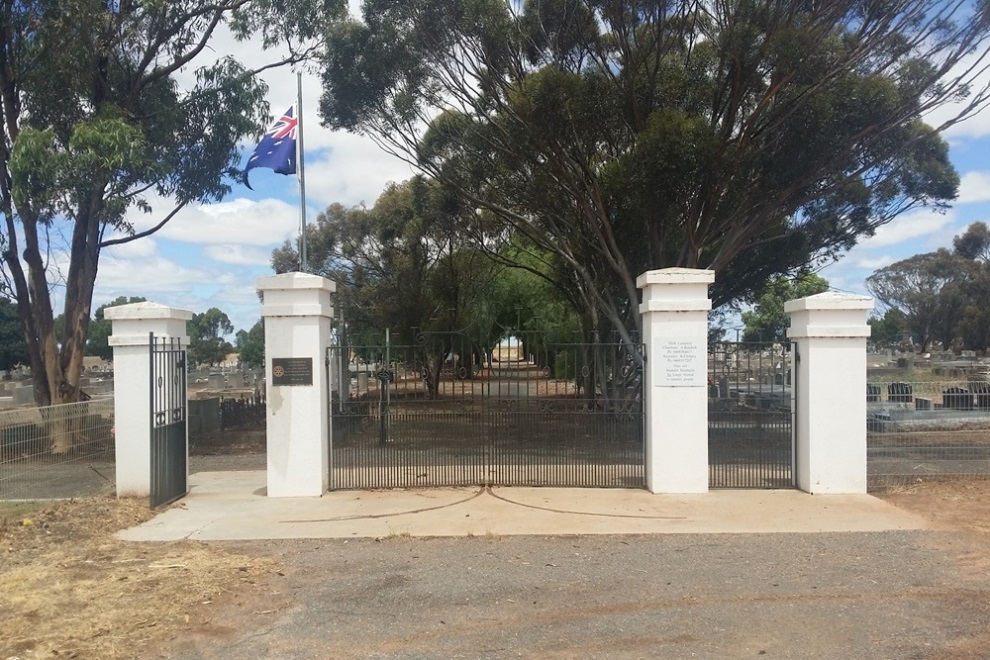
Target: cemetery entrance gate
[447, 411]
[168, 420]
[750, 415]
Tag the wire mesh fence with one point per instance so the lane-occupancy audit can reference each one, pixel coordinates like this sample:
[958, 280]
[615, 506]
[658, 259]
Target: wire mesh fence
[57, 452]
[927, 430]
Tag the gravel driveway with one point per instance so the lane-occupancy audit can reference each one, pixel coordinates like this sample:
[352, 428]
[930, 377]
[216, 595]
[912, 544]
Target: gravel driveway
[843, 596]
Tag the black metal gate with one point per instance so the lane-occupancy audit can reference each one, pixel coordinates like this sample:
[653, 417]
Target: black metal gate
[750, 415]
[168, 420]
[443, 412]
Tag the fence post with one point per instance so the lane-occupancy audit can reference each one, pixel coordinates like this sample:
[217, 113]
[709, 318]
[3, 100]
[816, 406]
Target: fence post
[829, 333]
[675, 331]
[297, 314]
[132, 385]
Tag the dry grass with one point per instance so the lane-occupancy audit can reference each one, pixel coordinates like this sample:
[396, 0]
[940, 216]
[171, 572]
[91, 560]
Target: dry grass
[69, 588]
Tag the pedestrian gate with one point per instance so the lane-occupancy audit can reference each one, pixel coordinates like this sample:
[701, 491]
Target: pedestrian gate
[750, 415]
[443, 412]
[168, 421]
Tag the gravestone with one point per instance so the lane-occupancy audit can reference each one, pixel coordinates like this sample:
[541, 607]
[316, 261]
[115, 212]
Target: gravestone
[23, 395]
[872, 392]
[922, 403]
[981, 392]
[900, 393]
[957, 398]
[215, 382]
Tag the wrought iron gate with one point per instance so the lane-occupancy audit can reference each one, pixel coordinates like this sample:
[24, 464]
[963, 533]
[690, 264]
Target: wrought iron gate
[750, 415]
[443, 412]
[168, 420]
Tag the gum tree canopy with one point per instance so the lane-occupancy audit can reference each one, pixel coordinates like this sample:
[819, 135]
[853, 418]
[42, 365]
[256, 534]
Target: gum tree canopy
[753, 137]
[96, 124]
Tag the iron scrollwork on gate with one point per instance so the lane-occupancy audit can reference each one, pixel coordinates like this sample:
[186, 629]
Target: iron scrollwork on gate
[168, 420]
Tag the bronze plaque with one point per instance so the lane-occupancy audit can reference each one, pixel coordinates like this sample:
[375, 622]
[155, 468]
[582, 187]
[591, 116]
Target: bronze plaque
[292, 371]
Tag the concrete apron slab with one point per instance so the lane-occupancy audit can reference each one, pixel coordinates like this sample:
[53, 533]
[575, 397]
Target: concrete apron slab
[234, 506]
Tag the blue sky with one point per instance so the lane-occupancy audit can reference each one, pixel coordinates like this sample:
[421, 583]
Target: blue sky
[212, 255]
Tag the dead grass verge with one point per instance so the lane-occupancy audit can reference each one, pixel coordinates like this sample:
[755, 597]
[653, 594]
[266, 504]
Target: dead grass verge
[70, 589]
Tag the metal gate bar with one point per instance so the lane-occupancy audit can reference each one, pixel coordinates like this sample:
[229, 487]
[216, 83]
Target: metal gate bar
[750, 423]
[168, 420]
[400, 421]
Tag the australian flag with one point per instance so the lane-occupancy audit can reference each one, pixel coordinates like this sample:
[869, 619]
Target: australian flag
[277, 149]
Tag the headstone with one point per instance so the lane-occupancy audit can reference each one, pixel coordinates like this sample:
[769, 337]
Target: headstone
[922, 403]
[981, 392]
[957, 398]
[872, 392]
[215, 382]
[900, 392]
[905, 363]
[23, 395]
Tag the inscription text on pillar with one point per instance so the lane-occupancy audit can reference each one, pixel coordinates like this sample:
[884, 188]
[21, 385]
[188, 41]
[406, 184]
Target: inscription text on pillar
[680, 362]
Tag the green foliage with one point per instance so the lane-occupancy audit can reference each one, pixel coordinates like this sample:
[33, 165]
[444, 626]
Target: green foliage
[251, 345]
[974, 243]
[206, 337]
[930, 290]
[767, 321]
[12, 349]
[97, 342]
[756, 139]
[96, 126]
[888, 331]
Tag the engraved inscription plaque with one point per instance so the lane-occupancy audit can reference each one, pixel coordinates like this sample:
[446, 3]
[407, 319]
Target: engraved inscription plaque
[292, 371]
[682, 362]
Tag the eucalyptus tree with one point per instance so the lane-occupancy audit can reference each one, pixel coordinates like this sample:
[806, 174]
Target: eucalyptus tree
[403, 264]
[974, 244]
[767, 321]
[753, 137]
[95, 124]
[930, 289]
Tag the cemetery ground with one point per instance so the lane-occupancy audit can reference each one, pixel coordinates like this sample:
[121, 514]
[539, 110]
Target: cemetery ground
[70, 589]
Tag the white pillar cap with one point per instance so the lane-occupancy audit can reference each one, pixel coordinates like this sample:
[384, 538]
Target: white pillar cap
[829, 301]
[292, 281]
[675, 276]
[829, 315]
[146, 311]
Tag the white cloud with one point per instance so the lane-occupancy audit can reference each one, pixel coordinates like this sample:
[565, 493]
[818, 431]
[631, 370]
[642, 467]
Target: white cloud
[238, 255]
[874, 263]
[974, 187]
[977, 125]
[148, 276]
[917, 224]
[354, 170]
[141, 247]
[238, 221]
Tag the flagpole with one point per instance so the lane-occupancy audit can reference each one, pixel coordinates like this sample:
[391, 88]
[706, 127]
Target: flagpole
[301, 169]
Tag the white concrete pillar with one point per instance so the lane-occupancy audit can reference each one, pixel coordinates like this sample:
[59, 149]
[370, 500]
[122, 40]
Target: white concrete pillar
[297, 313]
[131, 326]
[675, 332]
[829, 333]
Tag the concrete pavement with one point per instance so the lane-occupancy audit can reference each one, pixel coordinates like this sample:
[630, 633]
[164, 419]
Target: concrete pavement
[233, 506]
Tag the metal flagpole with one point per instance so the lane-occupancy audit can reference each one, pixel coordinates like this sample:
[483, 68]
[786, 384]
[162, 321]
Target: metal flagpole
[301, 169]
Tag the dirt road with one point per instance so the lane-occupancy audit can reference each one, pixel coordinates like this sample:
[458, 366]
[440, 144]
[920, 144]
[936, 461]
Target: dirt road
[69, 589]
